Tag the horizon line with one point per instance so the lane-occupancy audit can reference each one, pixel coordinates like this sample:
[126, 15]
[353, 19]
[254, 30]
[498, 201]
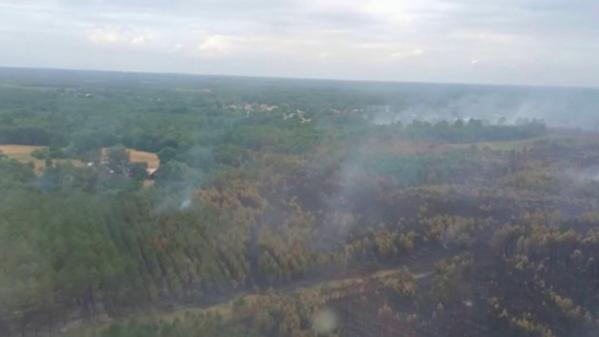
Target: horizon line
[291, 78]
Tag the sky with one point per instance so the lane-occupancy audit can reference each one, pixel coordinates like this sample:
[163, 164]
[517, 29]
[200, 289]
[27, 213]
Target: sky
[548, 42]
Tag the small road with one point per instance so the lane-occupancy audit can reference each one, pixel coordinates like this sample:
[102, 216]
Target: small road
[419, 264]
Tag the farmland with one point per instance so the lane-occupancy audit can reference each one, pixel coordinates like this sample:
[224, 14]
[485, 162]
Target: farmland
[149, 158]
[23, 154]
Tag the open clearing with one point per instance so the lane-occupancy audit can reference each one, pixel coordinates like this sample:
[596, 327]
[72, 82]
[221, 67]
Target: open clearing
[22, 153]
[150, 158]
[19, 151]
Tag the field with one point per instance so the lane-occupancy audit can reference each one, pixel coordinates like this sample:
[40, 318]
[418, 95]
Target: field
[19, 152]
[22, 153]
[149, 158]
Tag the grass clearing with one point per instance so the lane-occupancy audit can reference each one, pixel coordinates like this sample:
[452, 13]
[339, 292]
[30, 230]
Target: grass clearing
[17, 151]
[150, 158]
[22, 153]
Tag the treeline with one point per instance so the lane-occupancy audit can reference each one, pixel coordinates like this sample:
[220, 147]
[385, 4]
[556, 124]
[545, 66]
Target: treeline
[30, 136]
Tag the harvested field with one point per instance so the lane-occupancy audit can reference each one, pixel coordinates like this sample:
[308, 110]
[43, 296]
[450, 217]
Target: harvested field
[150, 158]
[22, 153]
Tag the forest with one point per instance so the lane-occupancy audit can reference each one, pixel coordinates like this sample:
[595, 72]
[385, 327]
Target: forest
[290, 208]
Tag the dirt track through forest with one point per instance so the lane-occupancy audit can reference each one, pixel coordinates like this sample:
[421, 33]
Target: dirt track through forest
[419, 264]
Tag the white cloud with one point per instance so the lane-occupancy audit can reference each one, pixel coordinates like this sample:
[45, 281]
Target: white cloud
[117, 36]
[104, 36]
[176, 48]
[138, 39]
[402, 54]
[324, 55]
[217, 45]
[484, 36]
[394, 11]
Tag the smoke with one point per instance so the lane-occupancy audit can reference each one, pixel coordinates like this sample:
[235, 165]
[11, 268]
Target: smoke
[185, 204]
[581, 175]
[558, 107]
[170, 199]
[324, 322]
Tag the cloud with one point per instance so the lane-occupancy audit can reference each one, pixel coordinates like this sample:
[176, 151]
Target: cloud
[217, 45]
[140, 39]
[117, 35]
[324, 55]
[402, 54]
[104, 36]
[176, 48]
[521, 41]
